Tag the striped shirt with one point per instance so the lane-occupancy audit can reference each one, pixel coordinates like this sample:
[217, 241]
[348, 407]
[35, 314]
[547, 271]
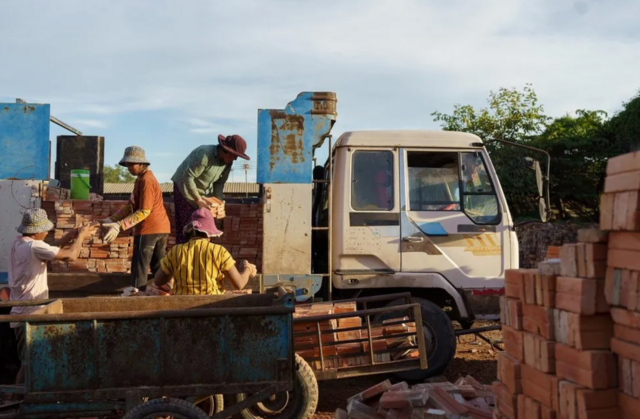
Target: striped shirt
[197, 267]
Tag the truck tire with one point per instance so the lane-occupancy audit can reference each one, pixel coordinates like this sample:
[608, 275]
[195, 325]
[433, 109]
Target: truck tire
[301, 403]
[440, 339]
[212, 404]
[174, 408]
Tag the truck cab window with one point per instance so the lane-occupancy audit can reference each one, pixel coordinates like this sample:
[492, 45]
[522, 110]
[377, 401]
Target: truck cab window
[480, 200]
[372, 181]
[434, 181]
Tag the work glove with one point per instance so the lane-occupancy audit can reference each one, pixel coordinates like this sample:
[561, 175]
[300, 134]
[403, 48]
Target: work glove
[251, 267]
[111, 231]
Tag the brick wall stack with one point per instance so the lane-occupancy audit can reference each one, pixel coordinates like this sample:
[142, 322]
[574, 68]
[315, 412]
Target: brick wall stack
[242, 234]
[620, 215]
[557, 331]
[242, 228]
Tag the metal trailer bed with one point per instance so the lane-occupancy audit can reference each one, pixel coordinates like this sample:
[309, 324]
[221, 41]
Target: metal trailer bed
[104, 356]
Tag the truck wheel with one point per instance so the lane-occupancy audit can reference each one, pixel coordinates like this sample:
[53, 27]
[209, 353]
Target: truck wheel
[440, 339]
[174, 408]
[212, 404]
[301, 403]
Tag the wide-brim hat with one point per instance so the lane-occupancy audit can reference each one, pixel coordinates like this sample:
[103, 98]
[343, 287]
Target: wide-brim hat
[202, 220]
[234, 144]
[35, 221]
[133, 154]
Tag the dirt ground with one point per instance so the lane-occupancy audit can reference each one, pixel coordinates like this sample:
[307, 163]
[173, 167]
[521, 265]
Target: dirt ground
[473, 357]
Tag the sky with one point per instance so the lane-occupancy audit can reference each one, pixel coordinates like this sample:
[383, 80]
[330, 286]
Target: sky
[171, 75]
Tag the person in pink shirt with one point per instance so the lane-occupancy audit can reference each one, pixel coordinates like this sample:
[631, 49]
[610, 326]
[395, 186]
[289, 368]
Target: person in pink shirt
[28, 266]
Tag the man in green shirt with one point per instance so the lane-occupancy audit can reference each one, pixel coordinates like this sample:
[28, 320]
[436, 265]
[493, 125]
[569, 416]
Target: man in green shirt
[202, 175]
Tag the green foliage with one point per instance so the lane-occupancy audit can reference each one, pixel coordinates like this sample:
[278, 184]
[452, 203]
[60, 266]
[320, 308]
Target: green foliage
[579, 147]
[117, 174]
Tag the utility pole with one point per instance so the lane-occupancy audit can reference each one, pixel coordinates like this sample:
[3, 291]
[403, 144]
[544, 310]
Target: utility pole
[246, 169]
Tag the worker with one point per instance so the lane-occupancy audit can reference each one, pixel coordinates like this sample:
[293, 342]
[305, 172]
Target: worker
[146, 214]
[203, 174]
[28, 266]
[199, 267]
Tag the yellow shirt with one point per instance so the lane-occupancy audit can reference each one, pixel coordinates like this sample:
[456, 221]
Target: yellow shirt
[197, 267]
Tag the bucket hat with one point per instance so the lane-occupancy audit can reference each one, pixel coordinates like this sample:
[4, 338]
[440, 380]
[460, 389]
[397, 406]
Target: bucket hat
[133, 154]
[202, 221]
[234, 144]
[35, 221]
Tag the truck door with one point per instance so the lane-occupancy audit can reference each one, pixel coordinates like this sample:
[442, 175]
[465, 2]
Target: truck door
[369, 213]
[451, 218]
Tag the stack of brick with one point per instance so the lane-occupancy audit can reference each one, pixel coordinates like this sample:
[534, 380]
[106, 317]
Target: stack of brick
[242, 233]
[242, 227]
[466, 398]
[620, 215]
[345, 341]
[557, 330]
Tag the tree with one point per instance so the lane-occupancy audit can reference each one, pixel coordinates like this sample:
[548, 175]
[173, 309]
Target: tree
[117, 174]
[512, 115]
[579, 146]
[625, 125]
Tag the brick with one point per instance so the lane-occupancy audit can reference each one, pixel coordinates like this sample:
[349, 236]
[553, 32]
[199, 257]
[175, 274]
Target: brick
[359, 410]
[546, 290]
[569, 260]
[507, 403]
[509, 372]
[624, 259]
[581, 259]
[404, 398]
[626, 334]
[372, 392]
[606, 211]
[592, 235]
[626, 318]
[513, 342]
[583, 332]
[629, 181]
[539, 352]
[592, 369]
[513, 279]
[550, 267]
[537, 385]
[511, 312]
[581, 295]
[568, 399]
[629, 162]
[629, 407]
[538, 320]
[528, 288]
[625, 350]
[594, 404]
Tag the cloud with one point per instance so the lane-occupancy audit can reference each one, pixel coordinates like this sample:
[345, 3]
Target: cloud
[91, 123]
[208, 66]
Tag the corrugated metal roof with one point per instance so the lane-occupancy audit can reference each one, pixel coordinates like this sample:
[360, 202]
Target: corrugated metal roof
[229, 188]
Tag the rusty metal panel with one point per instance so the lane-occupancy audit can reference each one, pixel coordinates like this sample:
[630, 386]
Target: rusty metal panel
[286, 245]
[129, 353]
[24, 141]
[61, 356]
[287, 137]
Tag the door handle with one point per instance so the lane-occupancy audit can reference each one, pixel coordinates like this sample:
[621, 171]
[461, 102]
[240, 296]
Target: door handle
[413, 239]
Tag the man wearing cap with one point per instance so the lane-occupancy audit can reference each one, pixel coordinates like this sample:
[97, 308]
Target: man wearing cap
[203, 174]
[28, 266]
[199, 267]
[145, 213]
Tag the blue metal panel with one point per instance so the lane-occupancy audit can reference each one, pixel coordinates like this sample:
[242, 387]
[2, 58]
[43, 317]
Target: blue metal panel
[4, 277]
[287, 137]
[433, 229]
[24, 141]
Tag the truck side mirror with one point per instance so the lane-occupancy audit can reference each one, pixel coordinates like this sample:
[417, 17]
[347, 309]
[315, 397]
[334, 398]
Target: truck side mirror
[543, 205]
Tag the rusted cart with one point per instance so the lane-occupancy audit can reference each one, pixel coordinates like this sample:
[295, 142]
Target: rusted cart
[156, 356]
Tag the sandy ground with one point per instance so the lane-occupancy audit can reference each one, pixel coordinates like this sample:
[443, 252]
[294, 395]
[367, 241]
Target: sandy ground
[473, 357]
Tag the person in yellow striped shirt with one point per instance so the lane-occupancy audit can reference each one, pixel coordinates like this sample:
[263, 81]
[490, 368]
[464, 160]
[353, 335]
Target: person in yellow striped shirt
[198, 266]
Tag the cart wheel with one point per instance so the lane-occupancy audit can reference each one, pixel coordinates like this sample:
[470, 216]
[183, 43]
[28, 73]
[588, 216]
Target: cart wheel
[162, 408]
[440, 339]
[212, 404]
[301, 403]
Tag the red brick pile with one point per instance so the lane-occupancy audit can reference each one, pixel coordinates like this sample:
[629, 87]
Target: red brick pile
[557, 333]
[345, 341]
[619, 213]
[242, 233]
[466, 398]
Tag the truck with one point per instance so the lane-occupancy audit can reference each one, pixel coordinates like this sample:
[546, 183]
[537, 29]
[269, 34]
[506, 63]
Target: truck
[388, 211]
